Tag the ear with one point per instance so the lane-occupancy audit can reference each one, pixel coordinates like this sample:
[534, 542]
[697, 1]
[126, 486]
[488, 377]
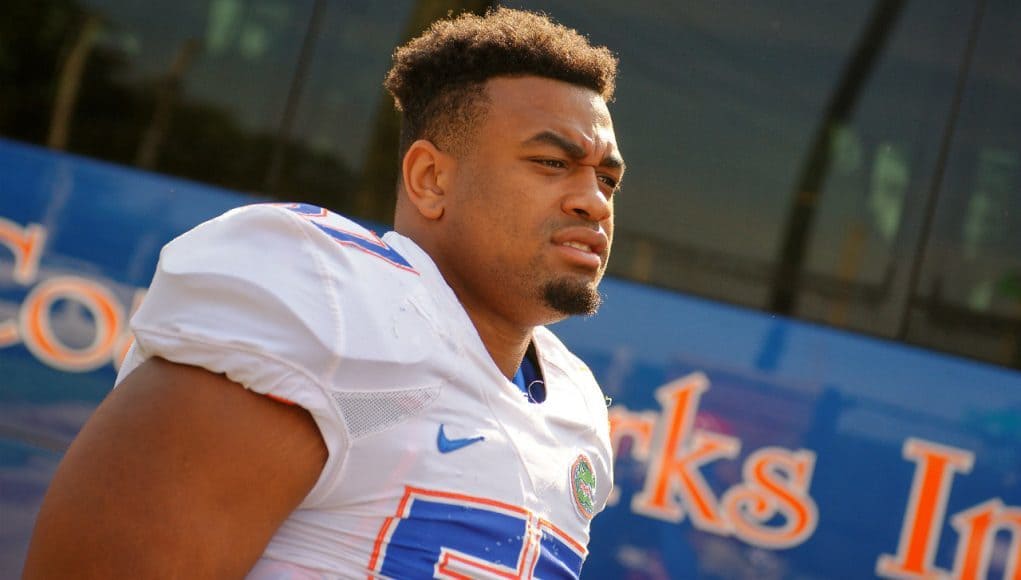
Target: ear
[426, 172]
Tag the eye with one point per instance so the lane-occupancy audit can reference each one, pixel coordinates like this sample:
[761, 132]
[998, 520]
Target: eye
[608, 180]
[550, 163]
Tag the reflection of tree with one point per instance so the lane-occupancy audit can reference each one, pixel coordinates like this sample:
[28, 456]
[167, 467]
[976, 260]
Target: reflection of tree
[145, 122]
[69, 81]
[839, 110]
[33, 35]
[297, 85]
[150, 123]
[155, 133]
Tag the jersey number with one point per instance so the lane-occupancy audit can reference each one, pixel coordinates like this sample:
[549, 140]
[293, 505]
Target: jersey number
[444, 535]
[368, 243]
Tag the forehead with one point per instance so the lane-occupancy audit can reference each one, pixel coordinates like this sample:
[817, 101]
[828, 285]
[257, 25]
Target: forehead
[520, 107]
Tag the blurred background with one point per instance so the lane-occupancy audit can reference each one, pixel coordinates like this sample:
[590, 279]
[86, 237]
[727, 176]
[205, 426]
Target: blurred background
[822, 214]
[790, 156]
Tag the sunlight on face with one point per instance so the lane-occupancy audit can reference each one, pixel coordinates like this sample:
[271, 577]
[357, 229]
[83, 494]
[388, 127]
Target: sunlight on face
[528, 212]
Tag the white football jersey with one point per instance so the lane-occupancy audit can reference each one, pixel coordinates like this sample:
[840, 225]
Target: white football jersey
[438, 465]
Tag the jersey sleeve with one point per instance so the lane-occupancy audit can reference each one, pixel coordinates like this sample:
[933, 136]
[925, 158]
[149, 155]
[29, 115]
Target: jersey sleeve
[245, 295]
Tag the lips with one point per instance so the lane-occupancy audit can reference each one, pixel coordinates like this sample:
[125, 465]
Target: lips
[584, 240]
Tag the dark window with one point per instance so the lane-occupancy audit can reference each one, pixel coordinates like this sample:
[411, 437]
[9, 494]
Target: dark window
[343, 108]
[275, 97]
[194, 88]
[345, 129]
[969, 293]
[785, 156]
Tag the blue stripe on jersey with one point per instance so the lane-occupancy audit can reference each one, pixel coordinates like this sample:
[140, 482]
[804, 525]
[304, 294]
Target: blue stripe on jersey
[305, 209]
[373, 245]
[377, 247]
[556, 560]
[432, 529]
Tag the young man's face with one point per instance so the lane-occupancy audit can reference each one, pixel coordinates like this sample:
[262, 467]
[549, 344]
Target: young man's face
[530, 217]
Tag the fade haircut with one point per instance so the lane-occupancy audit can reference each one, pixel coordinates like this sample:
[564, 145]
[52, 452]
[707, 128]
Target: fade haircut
[437, 79]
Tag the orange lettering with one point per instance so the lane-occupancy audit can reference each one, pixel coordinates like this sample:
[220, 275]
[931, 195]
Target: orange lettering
[977, 527]
[673, 477]
[8, 333]
[926, 509]
[36, 325]
[27, 246]
[777, 482]
[636, 426]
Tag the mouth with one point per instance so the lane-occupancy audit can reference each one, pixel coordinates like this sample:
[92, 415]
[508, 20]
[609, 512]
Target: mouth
[582, 246]
[578, 246]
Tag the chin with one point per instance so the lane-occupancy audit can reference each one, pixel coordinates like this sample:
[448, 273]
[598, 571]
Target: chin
[572, 297]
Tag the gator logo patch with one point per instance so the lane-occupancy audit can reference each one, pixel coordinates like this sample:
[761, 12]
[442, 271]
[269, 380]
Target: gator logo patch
[583, 487]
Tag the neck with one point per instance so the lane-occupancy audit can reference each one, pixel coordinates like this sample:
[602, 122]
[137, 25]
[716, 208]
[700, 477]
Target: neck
[506, 339]
[506, 343]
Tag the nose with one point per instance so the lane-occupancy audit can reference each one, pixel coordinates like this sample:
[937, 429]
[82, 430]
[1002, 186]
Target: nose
[587, 200]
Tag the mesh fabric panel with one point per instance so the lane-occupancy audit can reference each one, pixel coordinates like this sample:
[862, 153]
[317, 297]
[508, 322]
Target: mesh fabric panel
[367, 413]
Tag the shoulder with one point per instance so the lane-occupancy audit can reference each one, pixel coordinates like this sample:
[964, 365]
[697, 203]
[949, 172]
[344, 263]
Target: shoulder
[363, 246]
[277, 231]
[288, 282]
[303, 255]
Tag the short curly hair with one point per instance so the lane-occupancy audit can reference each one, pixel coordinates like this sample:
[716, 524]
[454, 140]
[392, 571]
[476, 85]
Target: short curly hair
[437, 79]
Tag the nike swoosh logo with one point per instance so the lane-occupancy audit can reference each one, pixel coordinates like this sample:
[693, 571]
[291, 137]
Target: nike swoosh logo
[446, 445]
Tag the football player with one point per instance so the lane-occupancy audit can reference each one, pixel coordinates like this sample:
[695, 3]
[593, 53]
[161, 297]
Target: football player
[305, 399]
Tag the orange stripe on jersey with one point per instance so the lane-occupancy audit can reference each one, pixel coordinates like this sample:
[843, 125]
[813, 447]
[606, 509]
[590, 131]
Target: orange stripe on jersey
[381, 537]
[279, 399]
[563, 536]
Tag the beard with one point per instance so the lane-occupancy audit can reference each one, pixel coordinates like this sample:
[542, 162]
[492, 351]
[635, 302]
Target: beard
[572, 297]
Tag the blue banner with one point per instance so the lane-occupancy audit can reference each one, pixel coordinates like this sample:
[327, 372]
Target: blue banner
[747, 445]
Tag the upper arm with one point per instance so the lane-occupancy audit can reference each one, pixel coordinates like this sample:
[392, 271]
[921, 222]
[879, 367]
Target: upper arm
[179, 473]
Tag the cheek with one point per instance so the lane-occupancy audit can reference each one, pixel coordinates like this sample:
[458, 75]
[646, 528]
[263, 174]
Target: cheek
[491, 231]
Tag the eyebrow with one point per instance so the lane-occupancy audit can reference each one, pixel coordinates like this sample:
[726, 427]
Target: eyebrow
[572, 149]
